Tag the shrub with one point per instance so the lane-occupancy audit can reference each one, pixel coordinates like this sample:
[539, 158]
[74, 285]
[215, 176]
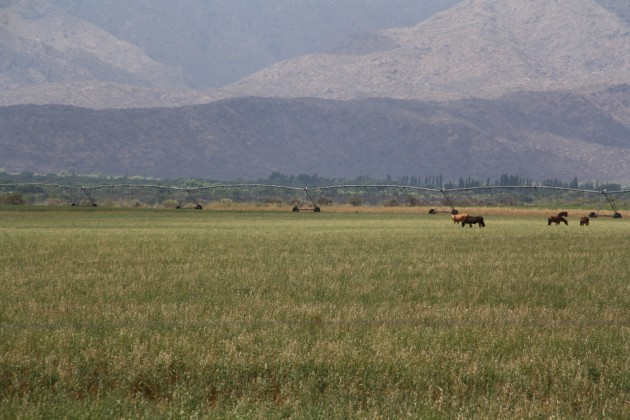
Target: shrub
[412, 201]
[275, 201]
[323, 201]
[13, 198]
[170, 204]
[355, 201]
[138, 204]
[55, 202]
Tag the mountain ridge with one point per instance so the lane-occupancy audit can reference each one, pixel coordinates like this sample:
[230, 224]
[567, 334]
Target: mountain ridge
[60, 48]
[194, 44]
[478, 48]
[556, 135]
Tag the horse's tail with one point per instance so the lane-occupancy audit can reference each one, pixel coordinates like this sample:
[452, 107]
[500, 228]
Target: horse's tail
[481, 223]
[549, 221]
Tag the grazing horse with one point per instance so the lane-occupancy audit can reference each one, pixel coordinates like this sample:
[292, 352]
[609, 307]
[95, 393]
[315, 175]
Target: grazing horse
[557, 220]
[472, 220]
[584, 221]
[458, 217]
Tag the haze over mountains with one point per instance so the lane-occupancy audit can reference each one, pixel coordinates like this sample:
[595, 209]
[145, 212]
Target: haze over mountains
[159, 49]
[475, 49]
[481, 88]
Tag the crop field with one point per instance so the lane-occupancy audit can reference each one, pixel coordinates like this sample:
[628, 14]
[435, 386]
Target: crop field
[147, 313]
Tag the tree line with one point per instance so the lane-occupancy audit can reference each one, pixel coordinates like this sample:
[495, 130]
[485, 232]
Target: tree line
[436, 182]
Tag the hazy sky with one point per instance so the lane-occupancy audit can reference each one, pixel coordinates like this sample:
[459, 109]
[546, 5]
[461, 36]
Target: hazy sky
[221, 41]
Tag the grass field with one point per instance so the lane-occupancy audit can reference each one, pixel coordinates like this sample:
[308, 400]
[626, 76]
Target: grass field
[267, 314]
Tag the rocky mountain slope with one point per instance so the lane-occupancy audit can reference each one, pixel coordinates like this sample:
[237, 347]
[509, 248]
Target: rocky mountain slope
[550, 135]
[197, 44]
[218, 42]
[479, 48]
[88, 53]
[38, 45]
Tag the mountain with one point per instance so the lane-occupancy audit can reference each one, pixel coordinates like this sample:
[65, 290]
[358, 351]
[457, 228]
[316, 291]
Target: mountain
[621, 8]
[478, 48]
[539, 88]
[217, 42]
[546, 134]
[150, 53]
[39, 44]
[193, 44]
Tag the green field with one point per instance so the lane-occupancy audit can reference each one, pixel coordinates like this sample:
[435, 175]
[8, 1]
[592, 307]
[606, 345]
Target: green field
[166, 313]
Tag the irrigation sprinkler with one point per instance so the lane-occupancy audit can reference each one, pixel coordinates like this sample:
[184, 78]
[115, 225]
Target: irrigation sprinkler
[192, 198]
[450, 203]
[300, 206]
[606, 199]
[90, 198]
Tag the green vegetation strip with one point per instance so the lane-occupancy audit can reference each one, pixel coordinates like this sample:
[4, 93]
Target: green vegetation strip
[165, 313]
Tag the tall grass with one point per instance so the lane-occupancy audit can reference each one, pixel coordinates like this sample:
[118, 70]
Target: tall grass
[165, 313]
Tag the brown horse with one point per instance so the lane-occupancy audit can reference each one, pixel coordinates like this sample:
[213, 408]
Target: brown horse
[584, 221]
[473, 220]
[557, 220]
[458, 217]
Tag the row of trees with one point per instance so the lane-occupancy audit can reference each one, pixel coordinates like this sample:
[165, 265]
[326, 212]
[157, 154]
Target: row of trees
[436, 182]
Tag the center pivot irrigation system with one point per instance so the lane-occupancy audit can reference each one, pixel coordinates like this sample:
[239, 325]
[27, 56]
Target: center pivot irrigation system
[312, 199]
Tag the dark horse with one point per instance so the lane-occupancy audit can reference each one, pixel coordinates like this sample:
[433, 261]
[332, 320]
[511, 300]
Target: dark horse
[584, 221]
[557, 220]
[473, 220]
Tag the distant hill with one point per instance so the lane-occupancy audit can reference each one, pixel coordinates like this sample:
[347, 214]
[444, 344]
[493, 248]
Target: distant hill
[550, 135]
